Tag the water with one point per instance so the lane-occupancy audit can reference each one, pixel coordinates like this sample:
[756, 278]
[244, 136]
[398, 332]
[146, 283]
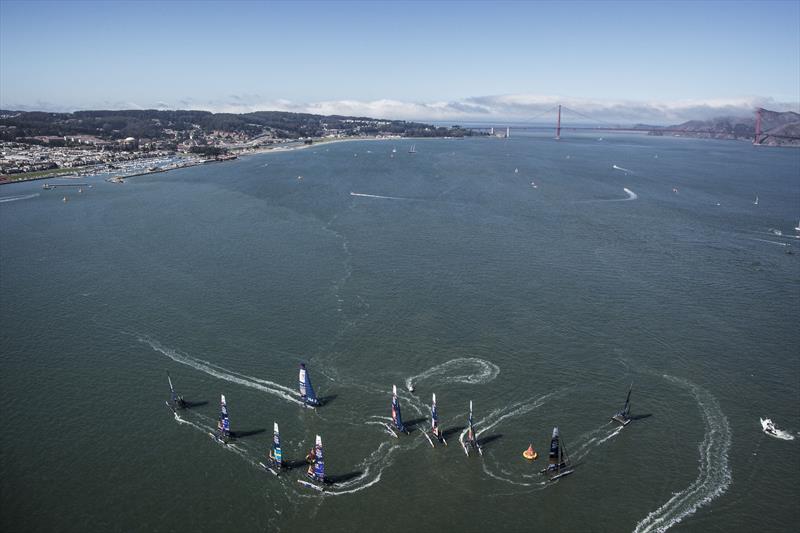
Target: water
[446, 270]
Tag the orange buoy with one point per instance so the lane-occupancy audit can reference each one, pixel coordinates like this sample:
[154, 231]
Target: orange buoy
[530, 454]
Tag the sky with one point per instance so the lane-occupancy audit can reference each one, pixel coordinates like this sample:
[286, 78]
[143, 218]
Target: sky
[633, 61]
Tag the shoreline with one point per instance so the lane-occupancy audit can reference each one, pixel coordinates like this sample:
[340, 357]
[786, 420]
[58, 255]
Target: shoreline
[197, 162]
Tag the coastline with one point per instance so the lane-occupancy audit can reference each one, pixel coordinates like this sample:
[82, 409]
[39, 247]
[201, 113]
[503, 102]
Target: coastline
[69, 174]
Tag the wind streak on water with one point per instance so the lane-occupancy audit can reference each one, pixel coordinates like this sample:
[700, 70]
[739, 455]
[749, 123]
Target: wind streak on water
[715, 475]
[211, 369]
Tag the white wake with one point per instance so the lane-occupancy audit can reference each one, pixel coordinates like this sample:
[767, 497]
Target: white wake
[475, 371]
[714, 476]
[5, 199]
[211, 369]
[363, 195]
[623, 169]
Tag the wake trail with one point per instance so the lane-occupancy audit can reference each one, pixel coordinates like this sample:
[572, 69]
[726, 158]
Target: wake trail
[622, 169]
[6, 199]
[714, 476]
[483, 372]
[364, 195]
[631, 195]
[216, 371]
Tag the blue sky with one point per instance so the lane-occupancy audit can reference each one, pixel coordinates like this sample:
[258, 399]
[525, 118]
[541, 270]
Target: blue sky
[434, 60]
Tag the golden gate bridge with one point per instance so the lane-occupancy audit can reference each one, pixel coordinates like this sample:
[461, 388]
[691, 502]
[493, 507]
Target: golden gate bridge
[758, 137]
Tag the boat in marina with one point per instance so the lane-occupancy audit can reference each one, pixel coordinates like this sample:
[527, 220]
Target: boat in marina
[558, 461]
[624, 417]
[275, 455]
[316, 470]
[471, 442]
[307, 395]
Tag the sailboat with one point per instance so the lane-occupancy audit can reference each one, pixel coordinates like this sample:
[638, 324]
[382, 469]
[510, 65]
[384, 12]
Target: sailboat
[558, 461]
[397, 417]
[175, 402]
[223, 434]
[435, 429]
[307, 395]
[755, 202]
[275, 456]
[316, 470]
[413, 149]
[797, 227]
[624, 417]
[472, 440]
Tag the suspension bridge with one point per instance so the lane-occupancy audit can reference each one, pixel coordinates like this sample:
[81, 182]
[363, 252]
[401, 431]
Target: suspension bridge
[759, 137]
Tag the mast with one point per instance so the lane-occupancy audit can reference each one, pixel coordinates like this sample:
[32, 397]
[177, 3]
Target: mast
[397, 417]
[307, 394]
[627, 408]
[319, 461]
[224, 425]
[434, 417]
[554, 458]
[172, 390]
[277, 455]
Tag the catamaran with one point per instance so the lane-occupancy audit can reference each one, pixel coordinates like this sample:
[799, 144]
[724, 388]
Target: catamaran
[307, 395]
[435, 429]
[316, 470]
[175, 402]
[223, 434]
[624, 416]
[413, 149]
[797, 227]
[274, 456]
[397, 417]
[472, 440]
[755, 202]
[558, 462]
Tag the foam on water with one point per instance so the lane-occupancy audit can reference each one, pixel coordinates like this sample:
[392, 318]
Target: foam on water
[483, 372]
[216, 371]
[363, 195]
[714, 475]
[5, 199]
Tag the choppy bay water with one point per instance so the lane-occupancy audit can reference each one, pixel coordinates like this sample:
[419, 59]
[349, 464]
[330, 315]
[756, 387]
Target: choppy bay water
[447, 270]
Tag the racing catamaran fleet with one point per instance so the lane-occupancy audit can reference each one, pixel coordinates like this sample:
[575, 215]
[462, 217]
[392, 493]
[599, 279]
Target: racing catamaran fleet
[558, 466]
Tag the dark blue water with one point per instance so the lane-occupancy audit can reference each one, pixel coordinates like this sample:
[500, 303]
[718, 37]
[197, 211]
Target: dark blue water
[447, 270]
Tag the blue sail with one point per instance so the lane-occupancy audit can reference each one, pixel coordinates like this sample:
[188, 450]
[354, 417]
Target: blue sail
[277, 455]
[397, 417]
[307, 394]
[319, 461]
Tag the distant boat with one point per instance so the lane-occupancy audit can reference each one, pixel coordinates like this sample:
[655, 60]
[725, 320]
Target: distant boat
[624, 416]
[768, 426]
[558, 462]
[755, 202]
[47, 186]
[413, 149]
[307, 395]
[394, 150]
[316, 470]
[472, 439]
[797, 227]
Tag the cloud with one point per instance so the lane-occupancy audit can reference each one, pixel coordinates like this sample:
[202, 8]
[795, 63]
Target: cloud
[494, 109]
[520, 108]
